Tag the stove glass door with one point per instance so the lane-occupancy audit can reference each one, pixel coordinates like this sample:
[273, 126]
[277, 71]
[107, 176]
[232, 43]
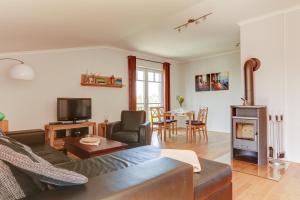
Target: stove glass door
[245, 130]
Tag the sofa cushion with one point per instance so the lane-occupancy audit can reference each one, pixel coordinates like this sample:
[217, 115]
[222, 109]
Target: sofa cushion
[213, 176]
[131, 120]
[28, 137]
[126, 136]
[16, 184]
[157, 179]
[113, 162]
[10, 189]
[97, 165]
[16, 155]
[51, 155]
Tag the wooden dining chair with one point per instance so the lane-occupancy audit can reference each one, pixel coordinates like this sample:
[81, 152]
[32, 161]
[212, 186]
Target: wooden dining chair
[189, 131]
[200, 124]
[161, 120]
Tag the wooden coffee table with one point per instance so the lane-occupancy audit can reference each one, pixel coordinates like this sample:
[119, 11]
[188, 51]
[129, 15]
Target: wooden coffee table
[84, 151]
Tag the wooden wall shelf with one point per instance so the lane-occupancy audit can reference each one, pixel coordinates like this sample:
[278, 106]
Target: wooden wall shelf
[98, 85]
[101, 81]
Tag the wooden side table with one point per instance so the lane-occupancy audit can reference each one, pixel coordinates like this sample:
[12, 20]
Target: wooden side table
[102, 127]
[4, 126]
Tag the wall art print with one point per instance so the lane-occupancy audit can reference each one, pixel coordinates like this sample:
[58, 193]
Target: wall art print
[202, 82]
[212, 82]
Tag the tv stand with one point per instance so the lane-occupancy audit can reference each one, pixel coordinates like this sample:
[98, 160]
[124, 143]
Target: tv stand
[76, 122]
[50, 129]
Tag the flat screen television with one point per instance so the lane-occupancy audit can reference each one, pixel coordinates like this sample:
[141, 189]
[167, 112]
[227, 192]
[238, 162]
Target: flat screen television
[73, 109]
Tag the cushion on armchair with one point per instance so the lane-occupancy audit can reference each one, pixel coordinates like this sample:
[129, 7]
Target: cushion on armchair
[131, 120]
[126, 136]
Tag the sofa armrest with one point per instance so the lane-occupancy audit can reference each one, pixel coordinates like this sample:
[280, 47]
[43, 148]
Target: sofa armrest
[28, 137]
[152, 180]
[112, 128]
[145, 133]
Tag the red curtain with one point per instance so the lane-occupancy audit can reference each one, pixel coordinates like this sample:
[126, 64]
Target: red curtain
[132, 82]
[167, 95]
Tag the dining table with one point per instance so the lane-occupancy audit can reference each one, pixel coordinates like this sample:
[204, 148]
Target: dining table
[188, 114]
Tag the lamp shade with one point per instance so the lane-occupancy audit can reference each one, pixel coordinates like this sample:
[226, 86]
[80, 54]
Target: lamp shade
[22, 72]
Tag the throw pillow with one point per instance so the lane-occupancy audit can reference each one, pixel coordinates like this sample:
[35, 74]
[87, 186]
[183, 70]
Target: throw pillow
[18, 159]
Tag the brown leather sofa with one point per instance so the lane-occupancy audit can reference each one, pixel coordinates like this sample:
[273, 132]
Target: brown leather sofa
[133, 129]
[136, 173]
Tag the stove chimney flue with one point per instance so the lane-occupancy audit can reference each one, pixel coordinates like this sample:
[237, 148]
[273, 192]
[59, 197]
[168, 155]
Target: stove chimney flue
[250, 67]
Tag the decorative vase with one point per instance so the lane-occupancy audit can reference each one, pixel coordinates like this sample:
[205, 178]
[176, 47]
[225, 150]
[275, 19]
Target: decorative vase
[181, 109]
[2, 116]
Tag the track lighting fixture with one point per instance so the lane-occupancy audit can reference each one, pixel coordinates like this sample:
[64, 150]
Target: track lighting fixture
[190, 21]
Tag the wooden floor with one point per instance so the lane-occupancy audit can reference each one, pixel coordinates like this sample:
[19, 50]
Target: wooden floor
[218, 144]
[245, 186]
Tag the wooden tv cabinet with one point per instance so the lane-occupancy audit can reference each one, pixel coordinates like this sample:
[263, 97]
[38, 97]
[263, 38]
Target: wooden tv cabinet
[50, 129]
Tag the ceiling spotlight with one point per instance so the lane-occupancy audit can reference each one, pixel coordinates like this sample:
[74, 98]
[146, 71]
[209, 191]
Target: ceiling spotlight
[190, 21]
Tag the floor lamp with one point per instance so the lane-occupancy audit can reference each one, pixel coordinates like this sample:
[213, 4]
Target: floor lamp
[20, 71]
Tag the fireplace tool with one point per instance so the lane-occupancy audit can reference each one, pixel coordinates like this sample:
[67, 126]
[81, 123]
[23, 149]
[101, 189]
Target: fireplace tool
[271, 138]
[281, 150]
[276, 149]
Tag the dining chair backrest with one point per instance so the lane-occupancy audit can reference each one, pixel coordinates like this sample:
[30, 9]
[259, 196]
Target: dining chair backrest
[157, 114]
[202, 114]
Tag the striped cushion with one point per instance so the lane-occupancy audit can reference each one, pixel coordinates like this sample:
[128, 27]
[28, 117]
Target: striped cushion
[24, 172]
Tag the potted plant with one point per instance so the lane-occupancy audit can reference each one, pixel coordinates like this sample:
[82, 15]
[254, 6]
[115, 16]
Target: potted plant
[180, 100]
[2, 116]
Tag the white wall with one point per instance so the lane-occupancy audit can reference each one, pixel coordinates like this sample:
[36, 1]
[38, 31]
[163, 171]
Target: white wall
[218, 102]
[275, 41]
[32, 104]
[264, 40]
[292, 80]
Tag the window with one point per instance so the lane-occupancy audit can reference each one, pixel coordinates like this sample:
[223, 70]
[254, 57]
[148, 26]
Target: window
[149, 88]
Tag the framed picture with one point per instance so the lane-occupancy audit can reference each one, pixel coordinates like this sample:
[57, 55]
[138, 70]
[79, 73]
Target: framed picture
[202, 82]
[219, 81]
[101, 80]
[118, 81]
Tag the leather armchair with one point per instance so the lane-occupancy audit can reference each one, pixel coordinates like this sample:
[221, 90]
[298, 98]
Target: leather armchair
[133, 129]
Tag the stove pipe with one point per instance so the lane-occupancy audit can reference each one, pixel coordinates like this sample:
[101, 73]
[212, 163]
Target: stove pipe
[250, 66]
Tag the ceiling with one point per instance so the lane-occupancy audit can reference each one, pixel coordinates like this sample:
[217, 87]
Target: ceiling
[138, 25]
